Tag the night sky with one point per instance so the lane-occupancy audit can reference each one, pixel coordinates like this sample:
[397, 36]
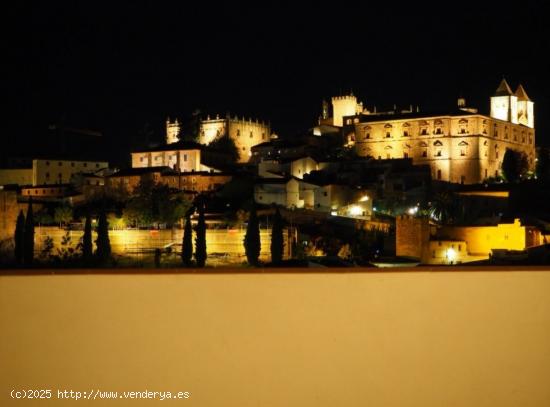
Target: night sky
[122, 69]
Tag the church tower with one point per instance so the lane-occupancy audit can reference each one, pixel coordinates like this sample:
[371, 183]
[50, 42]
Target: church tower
[526, 114]
[504, 104]
[172, 131]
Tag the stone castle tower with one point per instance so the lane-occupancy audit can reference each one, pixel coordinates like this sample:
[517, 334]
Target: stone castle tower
[172, 131]
[346, 105]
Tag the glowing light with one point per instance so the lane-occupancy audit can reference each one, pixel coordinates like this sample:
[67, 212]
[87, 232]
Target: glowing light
[451, 254]
[356, 210]
[364, 198]
[412, 210]
[334, 213]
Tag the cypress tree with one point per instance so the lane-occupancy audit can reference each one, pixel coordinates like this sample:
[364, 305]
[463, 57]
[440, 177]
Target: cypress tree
[277, 242]
[102, 242]
[19, 238]
[28, 236]
[252, 245]
[87, 247]
[200, 240]
[187, 242]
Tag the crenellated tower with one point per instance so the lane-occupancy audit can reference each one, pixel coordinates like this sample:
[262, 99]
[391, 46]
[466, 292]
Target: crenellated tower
[343, 106]
[172, 131]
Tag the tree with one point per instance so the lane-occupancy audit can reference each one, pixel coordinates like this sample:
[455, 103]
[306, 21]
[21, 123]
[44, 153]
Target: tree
[102, 242]
[277, 242]
[514, 165]
[200, 239]
[444, 207]
[252, 245]
[63, 214]
[19, 238]
[187, 242]
[225, 144]
[28, 247]
[87, 247]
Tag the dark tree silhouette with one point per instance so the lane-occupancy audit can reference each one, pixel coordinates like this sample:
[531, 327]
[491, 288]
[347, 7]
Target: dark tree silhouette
[225, 144]
[252, 245]
[20, 238]
[277, 242]
[200, 240]
[28, 247]
[514, 165]
[102, 242]
[187, 242]
[87, 246]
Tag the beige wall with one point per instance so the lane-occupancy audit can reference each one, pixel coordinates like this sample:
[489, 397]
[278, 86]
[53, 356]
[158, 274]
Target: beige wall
[61, 171]
[426, 339]
[185, 160]
[16, 176]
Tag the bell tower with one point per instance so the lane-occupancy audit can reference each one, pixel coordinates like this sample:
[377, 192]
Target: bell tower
[526, 107]
[504, 104]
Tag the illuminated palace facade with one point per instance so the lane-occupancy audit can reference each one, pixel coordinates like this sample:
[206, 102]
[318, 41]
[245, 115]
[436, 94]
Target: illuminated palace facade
[461, 146]
[245, 133]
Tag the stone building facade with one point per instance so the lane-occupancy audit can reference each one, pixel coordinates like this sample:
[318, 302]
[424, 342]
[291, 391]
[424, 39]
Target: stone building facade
[245, 133]
[462, 146]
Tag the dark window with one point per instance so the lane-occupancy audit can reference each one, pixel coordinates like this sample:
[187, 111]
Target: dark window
[424, 132]
[388, 134]
[424, 153]
[439, 174]
[60, 163]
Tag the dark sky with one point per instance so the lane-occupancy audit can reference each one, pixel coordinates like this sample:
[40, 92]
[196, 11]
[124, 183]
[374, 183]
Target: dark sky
[117, 68]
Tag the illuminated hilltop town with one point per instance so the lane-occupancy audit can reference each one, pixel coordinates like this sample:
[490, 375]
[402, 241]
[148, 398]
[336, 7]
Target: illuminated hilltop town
[360, 185]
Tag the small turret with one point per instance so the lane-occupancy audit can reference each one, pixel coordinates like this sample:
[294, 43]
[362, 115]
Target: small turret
[172, 131]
